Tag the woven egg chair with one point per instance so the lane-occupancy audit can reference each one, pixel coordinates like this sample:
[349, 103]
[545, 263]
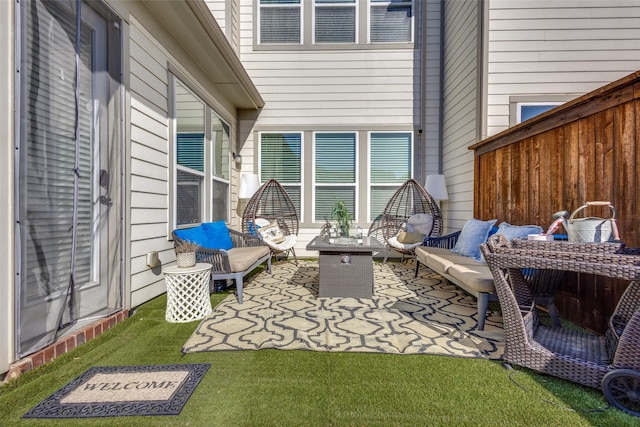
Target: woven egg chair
[408, 201]
[271, 208]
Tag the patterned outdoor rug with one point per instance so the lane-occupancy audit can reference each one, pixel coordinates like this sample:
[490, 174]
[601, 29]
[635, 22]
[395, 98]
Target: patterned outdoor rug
[113, 391]
[406, 316]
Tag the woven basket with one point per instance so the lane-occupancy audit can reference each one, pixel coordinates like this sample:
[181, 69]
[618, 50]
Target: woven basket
[187, 259]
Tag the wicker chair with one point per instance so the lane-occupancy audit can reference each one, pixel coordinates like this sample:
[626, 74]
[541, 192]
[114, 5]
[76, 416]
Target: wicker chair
[410, 199]
[610, 361]
[271, 203]
[247, 254]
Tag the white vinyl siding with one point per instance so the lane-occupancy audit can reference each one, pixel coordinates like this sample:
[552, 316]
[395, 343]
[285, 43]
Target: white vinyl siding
[148, 186]
[460, 108]
[557, 47]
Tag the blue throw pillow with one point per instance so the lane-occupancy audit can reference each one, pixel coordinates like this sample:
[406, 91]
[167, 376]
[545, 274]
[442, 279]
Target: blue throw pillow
[518, 231]
[193, 234]
[473, 234]
[217, 235]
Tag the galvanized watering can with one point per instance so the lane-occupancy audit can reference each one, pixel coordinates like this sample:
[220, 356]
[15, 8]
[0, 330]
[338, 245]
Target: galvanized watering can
[594, 230]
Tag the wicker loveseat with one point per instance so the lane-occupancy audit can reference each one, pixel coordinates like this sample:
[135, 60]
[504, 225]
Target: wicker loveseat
[610, 362]
[232, 254]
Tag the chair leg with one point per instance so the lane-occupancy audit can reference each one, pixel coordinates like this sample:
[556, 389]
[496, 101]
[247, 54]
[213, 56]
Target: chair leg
[417, 268]
[269, 265]
[295, 257]
[387, 255]
[239, 283]
[483, 305]
[553, 312]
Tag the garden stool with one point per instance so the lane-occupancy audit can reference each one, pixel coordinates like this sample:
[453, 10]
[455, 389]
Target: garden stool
[187, 292]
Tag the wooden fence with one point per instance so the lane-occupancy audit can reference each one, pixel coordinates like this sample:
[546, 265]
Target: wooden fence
[584, 150]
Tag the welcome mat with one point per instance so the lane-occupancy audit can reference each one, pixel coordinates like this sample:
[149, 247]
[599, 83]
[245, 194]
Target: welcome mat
[407, 315]
[113, 391]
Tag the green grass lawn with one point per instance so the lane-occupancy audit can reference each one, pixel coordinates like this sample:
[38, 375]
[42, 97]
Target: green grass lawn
[303, 388]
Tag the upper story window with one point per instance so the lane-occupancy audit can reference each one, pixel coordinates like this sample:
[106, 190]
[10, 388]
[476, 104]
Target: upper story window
[335, 21]
[280, 21]
[391, 21]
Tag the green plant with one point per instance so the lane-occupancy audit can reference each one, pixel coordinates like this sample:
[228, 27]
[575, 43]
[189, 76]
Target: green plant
[341, 214]
[186, 246]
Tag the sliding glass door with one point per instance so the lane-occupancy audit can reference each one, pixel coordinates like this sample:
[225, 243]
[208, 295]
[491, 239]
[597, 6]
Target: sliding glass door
[68, 167]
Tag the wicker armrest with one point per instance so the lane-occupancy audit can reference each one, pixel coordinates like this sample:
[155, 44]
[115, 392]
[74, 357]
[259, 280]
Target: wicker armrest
[241, 240]
[446, 242]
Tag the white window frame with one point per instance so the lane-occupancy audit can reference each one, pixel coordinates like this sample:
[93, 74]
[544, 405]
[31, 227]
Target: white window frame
[355, 185]
[302, 169]
[354, 4]
[206, 199]
[395, 186]
[261, 6]
[377, 4]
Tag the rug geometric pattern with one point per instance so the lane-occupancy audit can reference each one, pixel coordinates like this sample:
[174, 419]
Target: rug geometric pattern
[111, 391]
[407, 315]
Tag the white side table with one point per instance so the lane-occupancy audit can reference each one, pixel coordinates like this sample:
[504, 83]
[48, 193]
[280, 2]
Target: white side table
[187, 292]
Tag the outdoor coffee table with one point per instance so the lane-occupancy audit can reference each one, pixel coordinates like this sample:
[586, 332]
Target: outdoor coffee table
[346, 267]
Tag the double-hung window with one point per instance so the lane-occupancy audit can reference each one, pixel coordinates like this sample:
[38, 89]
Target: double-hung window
[390, 21]
[280, 21]
[335, 21]
[390, 156]
[335, 173]
[281, 159]
[202, 160]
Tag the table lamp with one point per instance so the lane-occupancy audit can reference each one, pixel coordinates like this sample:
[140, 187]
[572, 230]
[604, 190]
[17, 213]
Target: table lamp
[436, 187]
[249, 184]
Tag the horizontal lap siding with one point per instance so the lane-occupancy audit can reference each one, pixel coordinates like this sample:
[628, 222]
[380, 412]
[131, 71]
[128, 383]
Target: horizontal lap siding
[460, 104]
[527, 178]
[149, 164]
[563, 48]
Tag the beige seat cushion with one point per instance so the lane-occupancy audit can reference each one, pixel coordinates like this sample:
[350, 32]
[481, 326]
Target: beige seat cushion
[241, 259]
[441, 259]
[476, 277]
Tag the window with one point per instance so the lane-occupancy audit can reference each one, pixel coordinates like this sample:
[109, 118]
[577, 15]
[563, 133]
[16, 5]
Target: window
[527, 110]
[281, 159]
[335, 21]
[280, 21]
[390, 156]
[220, 173]
[202, 160]
[335, 173]
[391, 21]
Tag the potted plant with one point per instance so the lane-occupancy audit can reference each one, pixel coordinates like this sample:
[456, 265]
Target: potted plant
[342, 216]
[186, 253]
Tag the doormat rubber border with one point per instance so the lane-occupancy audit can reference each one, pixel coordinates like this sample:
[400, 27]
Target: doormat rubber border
[52, 407]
